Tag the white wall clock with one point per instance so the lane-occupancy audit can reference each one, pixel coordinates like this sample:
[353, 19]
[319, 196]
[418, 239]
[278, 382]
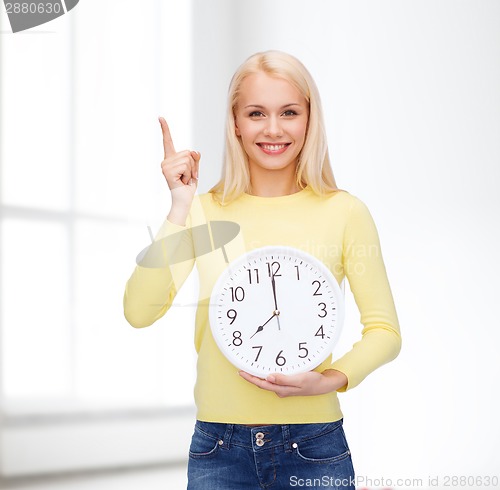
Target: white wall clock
[276, 309]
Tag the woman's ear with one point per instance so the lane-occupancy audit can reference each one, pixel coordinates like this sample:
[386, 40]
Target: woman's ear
[236, 129]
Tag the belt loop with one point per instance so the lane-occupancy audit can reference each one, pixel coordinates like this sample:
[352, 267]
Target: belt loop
[286, 438]
[227, 436]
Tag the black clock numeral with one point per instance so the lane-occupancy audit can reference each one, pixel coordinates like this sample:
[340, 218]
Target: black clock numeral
[237, 294]
[303, 349]
[258, 353]
[231, 314]
[323, 310]
[320, 332]
[298, 275]
[237, 340]
[273, 268]
[280, 360]
[250, 274]
[317, 289]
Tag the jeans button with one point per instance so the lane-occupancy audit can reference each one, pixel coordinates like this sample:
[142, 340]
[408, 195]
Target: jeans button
[259, 435]
[259, 442]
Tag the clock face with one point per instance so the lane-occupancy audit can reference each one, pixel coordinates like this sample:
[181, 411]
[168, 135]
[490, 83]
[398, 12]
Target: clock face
[276, 309]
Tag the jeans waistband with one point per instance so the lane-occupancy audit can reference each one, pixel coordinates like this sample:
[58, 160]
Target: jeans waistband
[266, 436]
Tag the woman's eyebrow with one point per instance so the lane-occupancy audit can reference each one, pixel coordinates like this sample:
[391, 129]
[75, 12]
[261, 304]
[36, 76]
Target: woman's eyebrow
[257, 106]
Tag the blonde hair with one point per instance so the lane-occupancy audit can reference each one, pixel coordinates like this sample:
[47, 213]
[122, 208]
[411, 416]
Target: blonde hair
[313, 164]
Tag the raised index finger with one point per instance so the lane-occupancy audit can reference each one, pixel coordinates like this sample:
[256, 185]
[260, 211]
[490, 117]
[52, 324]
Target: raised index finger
[168, 144]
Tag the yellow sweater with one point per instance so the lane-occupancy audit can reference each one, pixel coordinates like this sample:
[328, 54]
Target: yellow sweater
[338, 230]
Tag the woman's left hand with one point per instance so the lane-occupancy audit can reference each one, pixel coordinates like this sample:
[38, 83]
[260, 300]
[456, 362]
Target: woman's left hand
[304, 384]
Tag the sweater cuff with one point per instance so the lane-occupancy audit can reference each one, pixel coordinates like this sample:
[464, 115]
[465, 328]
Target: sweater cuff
[168, 228]
[344, 369]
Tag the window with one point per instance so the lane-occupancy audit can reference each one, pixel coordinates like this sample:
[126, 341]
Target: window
[80, 183]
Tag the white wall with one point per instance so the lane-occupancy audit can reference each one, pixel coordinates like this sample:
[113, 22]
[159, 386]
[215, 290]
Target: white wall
[213, 55]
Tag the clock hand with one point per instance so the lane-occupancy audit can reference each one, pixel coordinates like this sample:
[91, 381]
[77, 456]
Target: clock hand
[275, 302]
[261, 327]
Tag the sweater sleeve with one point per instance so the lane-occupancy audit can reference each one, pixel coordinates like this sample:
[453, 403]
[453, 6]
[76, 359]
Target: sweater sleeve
[161, 271]
[365, 270]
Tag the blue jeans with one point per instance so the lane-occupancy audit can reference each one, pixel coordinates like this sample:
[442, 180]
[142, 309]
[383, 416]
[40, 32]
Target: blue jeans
[233, 457]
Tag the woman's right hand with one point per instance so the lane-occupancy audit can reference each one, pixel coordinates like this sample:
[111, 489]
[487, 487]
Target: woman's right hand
[180, 170]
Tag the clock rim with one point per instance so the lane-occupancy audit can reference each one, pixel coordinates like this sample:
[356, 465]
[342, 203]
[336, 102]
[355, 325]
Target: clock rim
[276, 249]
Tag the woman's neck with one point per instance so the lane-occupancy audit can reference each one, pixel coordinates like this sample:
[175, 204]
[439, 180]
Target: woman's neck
[273, 188]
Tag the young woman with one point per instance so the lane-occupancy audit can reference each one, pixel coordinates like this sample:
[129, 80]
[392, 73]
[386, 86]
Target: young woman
[278, 186]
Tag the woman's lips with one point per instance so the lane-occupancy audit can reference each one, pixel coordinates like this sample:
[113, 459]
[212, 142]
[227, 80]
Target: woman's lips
[273, 149]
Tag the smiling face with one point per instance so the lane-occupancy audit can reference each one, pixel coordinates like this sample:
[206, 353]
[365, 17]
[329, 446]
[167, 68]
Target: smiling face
[271, 121]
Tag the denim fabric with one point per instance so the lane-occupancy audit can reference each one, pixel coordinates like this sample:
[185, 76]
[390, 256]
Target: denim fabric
[229, 456]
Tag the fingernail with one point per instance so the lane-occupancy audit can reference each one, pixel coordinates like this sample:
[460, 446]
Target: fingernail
[271, 378]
